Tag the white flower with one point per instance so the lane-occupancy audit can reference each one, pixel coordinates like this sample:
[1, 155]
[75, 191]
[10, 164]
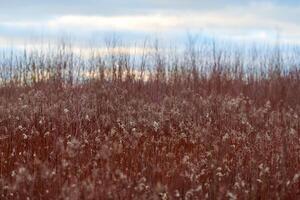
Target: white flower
[13, 173]
[231, 196]
[25, 136]
[219, 174]
[156, 126]
[185, 158]
[258, 180]
[296, 177]
[46, 134]
[225, 137]
[42, 120]
[177, 194]
[292, 131]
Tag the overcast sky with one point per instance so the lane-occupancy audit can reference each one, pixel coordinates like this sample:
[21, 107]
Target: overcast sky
[22, 20]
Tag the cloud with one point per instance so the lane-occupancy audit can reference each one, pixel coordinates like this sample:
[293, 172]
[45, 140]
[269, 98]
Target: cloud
[30, 9]
[129, 23]
[70, 6]
[240, 20]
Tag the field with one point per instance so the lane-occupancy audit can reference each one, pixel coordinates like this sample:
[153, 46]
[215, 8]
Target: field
[204, 124]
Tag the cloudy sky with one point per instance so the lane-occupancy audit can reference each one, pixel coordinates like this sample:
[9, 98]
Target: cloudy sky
[25, 20]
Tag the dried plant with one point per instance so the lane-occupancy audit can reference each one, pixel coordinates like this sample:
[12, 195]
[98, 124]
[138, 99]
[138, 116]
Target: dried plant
[209, 123]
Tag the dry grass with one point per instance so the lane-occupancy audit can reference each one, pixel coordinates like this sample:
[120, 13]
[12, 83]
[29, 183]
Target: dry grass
[185, 133]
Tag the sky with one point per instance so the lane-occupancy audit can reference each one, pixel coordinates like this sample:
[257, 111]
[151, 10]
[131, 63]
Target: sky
[32, 21]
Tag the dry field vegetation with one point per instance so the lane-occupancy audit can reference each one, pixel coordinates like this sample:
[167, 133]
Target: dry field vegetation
[206, 123]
